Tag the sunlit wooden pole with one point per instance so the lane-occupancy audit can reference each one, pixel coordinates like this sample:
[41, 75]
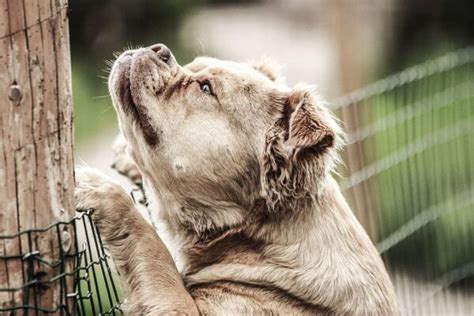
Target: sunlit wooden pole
[36, 157]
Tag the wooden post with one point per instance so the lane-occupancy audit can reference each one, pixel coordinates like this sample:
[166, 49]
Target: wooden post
[36, 156]
[349, 30]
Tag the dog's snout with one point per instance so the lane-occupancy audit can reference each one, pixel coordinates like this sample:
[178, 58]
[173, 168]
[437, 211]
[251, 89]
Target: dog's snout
[162, 51]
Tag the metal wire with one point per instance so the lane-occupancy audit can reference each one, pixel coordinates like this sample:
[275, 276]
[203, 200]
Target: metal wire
[409, 177]
[89, 288]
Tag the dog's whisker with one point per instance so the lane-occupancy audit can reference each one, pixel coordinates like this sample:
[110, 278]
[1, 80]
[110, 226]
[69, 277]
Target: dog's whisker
[107, 109]
[101, 96]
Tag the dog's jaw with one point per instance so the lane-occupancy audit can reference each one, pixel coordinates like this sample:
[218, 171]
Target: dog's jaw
[120, 87]
[137, 76]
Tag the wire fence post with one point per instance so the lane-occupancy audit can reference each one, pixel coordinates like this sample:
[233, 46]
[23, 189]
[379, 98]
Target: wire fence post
[36, 156]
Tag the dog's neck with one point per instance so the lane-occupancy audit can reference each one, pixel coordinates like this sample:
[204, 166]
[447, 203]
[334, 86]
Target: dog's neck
[323, 213]
[318, 240]
[323, 207]
[321, 254]
[256, 222]
[257, 225]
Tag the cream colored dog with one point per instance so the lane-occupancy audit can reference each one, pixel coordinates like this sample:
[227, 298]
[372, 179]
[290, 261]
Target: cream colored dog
[238, 169]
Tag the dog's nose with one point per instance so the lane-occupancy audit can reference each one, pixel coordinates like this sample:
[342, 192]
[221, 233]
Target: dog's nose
[162, 51]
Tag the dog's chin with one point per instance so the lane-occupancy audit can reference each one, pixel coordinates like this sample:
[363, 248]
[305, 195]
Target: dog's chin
[135, 114]
[121, 86]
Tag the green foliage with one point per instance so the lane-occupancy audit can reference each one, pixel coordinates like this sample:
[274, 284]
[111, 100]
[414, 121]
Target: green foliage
[93, 110]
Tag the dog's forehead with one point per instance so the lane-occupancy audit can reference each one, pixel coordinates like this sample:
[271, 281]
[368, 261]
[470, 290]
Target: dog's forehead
[199, 63]
[220, 66]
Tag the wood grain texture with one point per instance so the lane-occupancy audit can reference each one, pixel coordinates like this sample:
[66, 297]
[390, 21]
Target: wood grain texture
[36, 144]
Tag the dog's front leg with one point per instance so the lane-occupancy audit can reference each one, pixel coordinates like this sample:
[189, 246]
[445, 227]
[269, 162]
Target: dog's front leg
[124, 163]
[154, 286]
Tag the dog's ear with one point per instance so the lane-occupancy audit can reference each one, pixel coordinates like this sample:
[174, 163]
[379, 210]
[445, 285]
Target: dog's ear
[300, 149]
[269, 68]
[309, 127]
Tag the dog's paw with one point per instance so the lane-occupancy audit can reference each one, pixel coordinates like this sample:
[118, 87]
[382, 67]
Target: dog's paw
[123, 162]
[106, 198]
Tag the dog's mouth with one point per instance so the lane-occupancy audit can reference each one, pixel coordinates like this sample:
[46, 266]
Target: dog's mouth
[129, 101]
[123, 88]
[137, 78]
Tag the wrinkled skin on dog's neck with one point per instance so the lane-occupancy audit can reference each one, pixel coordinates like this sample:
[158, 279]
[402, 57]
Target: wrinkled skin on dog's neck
[239, 167]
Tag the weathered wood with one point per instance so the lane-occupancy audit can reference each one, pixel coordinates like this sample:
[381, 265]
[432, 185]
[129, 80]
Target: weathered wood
[36, 161]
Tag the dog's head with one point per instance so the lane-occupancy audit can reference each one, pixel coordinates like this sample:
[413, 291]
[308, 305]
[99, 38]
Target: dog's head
[213, 137]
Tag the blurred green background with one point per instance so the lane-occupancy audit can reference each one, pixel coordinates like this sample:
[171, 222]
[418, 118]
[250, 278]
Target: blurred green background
[339, 45]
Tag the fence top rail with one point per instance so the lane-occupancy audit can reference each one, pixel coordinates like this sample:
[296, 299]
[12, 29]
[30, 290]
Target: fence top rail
[440, 64]
[78, 216]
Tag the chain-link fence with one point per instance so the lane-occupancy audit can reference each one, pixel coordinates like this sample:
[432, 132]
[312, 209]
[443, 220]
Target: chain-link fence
[90, 286]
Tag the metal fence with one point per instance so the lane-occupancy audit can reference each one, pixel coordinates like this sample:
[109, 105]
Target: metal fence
[90, 288]
[409, 177]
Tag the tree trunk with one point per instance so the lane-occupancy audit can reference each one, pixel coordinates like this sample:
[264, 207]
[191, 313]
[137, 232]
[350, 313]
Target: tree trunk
[36, 156]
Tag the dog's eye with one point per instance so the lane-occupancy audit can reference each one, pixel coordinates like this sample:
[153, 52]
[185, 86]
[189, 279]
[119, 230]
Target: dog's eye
[206, 88]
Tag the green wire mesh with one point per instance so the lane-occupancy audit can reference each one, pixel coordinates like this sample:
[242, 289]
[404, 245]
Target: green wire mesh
[91, 287]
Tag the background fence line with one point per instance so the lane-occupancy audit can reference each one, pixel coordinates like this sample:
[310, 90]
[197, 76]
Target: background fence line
[415, 134]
